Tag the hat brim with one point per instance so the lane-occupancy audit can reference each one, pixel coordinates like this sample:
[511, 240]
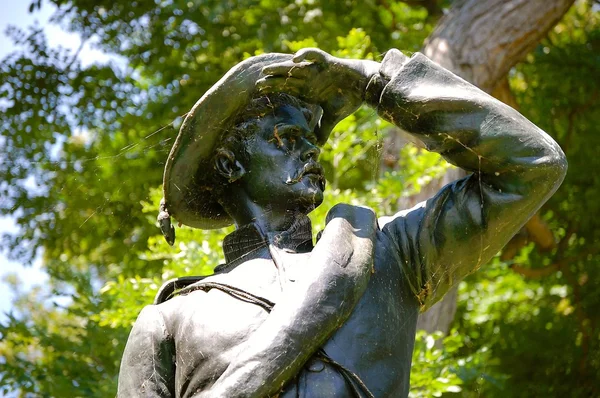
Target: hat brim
[186, 200]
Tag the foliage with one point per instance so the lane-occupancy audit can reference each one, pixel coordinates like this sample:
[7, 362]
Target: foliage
[431, 373]
[538, 313]
[84, 149]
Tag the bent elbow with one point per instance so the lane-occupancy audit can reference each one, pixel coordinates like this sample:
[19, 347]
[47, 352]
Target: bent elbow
[556, 165]
[548, 171]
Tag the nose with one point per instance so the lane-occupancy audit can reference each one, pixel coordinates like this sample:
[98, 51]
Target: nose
[309, 150]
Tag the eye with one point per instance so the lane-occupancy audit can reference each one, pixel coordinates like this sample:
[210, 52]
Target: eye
[285, 134]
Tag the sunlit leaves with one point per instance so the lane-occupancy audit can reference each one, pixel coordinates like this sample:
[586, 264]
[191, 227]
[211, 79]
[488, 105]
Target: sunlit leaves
[441, 365]
[84, 149]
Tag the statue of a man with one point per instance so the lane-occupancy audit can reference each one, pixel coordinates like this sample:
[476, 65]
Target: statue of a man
[283, 317]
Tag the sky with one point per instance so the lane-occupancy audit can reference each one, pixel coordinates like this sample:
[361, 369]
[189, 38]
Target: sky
[16, 13]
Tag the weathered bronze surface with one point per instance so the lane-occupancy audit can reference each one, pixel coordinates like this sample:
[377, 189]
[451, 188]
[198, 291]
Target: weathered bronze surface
[336, 319]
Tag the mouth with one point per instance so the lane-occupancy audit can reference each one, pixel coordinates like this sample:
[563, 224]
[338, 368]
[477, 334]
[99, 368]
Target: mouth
[312, 170]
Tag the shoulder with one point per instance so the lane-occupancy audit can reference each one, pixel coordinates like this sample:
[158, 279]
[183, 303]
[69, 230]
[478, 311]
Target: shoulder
[149, 329]
[412, 215]
[150, 321]
[209, 321]
[204, 303]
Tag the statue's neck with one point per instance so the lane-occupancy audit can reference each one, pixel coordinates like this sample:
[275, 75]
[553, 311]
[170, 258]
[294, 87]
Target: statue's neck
[269, 219]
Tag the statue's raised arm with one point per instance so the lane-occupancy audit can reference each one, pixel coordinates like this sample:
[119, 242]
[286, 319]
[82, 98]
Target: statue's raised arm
[515, 166]
[286, 317]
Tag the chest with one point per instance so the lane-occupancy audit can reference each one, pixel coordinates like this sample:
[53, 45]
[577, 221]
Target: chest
[375, 342]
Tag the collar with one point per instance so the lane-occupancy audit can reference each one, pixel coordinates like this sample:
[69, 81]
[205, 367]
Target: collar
[250, 238]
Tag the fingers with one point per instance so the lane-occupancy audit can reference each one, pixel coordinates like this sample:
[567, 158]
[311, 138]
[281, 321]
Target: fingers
[312, 55]
[289, 69]
[324, 129]
[271, 84]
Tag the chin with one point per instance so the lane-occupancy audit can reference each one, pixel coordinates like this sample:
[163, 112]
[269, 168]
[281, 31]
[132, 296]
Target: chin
[311, 200]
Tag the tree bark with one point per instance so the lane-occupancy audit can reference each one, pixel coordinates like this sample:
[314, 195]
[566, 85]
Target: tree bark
[481, 40]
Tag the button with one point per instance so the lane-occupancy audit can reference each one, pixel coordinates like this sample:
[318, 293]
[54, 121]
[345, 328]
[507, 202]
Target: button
[315, 365]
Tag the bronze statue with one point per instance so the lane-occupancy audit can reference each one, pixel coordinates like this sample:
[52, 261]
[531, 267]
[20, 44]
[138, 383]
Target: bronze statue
[283, 317]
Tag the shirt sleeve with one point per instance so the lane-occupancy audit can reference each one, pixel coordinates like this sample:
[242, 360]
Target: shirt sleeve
[515, 167]
[147, 367]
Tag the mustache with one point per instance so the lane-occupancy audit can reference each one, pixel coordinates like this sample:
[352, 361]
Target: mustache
[309, 168]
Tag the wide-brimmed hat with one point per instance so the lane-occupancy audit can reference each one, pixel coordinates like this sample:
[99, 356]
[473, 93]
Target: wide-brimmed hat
[211, 117]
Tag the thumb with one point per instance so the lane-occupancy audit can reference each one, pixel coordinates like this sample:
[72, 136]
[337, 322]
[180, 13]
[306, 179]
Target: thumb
[310, 54]
[328, 122]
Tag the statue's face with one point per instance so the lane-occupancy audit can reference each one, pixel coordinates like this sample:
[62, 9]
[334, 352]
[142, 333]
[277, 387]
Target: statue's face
[281, 167]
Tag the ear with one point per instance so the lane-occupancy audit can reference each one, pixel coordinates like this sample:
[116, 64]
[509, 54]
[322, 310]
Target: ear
[227, 166]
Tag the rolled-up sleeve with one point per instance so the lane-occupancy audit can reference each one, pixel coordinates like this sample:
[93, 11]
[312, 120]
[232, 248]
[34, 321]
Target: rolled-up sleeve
[515, 167]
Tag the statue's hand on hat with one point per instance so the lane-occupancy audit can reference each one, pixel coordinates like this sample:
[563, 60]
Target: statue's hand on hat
[338, 85]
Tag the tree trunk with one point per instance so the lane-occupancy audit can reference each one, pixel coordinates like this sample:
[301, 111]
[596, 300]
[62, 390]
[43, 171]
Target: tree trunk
[481, 40]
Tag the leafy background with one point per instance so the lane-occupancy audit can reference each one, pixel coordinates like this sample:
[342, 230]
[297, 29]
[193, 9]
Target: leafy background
[83, 148]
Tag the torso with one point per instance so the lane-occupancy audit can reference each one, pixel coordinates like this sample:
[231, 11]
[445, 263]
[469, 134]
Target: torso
[376, 342]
